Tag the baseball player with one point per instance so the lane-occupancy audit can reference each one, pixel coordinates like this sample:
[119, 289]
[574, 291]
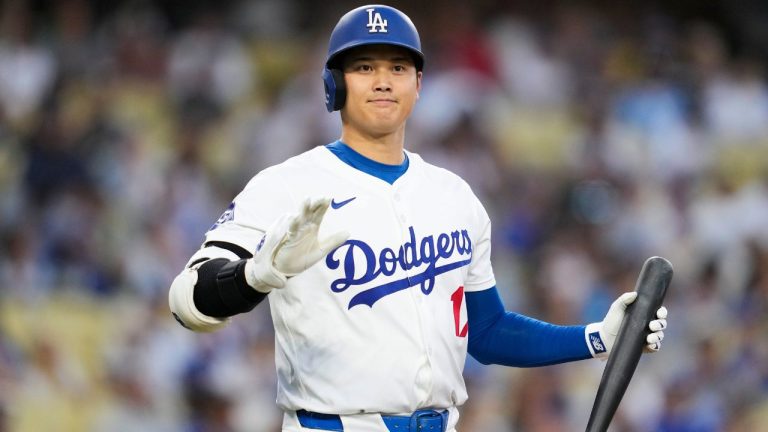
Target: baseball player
[376, 264]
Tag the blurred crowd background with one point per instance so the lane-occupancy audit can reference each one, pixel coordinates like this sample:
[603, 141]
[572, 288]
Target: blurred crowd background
[596, 133]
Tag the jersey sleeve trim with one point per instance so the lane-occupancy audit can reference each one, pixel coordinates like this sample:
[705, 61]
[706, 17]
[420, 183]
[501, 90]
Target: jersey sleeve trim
[481, 275]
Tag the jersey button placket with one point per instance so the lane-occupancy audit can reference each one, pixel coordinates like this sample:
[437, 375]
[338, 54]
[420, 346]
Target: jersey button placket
[424, 378]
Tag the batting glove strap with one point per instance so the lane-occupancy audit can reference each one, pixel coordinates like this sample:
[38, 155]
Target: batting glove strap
[595, 342]
[262, 276]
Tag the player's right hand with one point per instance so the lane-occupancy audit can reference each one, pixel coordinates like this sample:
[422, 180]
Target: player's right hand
[301, 248]
[290, 246]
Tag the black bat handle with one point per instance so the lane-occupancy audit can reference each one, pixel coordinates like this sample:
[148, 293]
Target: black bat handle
[651, 288]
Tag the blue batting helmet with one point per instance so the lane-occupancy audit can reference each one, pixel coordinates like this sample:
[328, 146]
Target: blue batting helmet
[366, 25]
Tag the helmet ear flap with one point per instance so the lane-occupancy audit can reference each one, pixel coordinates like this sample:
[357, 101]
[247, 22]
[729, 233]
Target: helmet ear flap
[335, 89]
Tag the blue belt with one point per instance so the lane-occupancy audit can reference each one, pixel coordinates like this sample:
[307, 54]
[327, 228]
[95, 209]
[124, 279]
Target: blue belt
[420, 421]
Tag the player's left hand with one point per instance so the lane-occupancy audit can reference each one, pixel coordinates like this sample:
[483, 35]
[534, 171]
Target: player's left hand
[609, 328]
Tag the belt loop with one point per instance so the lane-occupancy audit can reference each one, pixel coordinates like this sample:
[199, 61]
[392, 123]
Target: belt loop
[428, 421]
[313, 420]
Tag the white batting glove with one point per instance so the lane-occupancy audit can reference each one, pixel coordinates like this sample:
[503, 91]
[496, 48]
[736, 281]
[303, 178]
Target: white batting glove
[601, 336]
[291, 246]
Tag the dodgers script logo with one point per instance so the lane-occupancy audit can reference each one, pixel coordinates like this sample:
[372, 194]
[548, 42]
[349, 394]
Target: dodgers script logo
[376, 24]
[423, 255]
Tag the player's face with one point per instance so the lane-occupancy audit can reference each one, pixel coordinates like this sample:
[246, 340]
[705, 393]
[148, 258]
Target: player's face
[382, 88]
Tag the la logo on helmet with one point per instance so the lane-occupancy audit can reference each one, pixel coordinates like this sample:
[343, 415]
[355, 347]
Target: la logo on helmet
[376, 24]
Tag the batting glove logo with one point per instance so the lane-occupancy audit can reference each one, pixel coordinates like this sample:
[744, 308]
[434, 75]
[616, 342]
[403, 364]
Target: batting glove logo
[597, 343]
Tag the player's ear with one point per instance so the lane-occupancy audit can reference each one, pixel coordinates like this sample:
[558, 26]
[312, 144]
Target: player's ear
[419, 74]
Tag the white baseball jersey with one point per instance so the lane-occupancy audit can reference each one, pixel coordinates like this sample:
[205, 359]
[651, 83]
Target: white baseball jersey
[379, 325]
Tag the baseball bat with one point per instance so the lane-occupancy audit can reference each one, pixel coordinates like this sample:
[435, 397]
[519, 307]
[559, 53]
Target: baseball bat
[651, 287]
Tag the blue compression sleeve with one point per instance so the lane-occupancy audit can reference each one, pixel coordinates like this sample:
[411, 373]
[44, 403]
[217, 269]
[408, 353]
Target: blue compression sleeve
[510, 339]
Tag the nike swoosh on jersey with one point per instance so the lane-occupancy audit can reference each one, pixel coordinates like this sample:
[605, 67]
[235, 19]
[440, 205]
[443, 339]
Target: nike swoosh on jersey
[338, 205]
